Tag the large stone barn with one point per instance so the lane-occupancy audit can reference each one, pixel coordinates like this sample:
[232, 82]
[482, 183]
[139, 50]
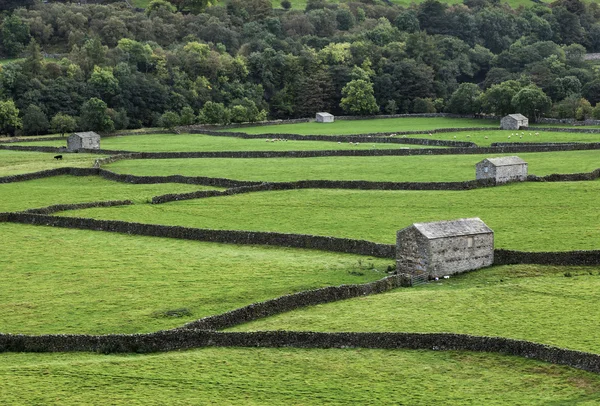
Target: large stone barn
[514, 122]
[504, 169]
[324, 118]
[444, 248]
[86, 140]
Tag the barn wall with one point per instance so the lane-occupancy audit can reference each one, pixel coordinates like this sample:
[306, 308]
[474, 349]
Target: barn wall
[453, 255]
[511, 173]
[480, 171]
[411, 252]
[91, 143]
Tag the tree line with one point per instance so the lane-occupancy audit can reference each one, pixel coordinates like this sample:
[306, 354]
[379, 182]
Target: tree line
[105, 67]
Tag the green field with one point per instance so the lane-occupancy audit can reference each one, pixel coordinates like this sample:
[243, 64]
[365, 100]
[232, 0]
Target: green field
[253, 376]
[434, 168]
[97, 283]
[527, 302]
[557, 216]
[199, 142]
[17, 162]
[79, 189]
[368, 126]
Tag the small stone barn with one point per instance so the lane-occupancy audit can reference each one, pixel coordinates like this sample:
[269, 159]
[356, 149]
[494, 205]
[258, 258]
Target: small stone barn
[87, 140]
[514, 122]
[444, 248]
[504, 169]
[324, 118]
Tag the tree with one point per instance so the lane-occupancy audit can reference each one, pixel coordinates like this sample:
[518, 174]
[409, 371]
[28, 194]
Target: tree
[63, 123]
[187, 116]
[465, 100]
[34, 120]
[169, 120]
[498, 98]
[358, 98]
[14, 35]
[532, 102]
[214, 113]
[9, 117]
[94, 116]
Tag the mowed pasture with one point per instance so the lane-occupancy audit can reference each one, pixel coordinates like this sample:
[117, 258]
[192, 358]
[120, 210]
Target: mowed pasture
[550, 216]
[426, 168]
[44, 192]
[18, 162]
[355, 127]
[58, 280]
[255, 376]
[77, 281]
[200, 142]
[525, 302]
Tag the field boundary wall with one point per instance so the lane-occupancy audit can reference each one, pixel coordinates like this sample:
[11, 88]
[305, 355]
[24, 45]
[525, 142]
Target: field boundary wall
[571, 258]
[187, 339]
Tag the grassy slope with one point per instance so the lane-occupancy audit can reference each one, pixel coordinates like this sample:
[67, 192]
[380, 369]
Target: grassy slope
[198, 142]
[76, 281]
[16, 162]
[529, 302]
[74, 189]
[525, 216]
[292, 376]
[369, 126]
[435, 168]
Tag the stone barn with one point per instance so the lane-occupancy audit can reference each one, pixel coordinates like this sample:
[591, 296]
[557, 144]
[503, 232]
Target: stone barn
[324, 118]
[514, 122]
[87, 140]
[504, 169]
[444, 248]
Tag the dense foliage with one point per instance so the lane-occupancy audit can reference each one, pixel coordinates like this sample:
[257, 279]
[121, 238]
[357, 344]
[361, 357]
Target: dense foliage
[187, 61]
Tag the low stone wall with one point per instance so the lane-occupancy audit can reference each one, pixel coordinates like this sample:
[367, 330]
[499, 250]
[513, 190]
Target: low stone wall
[567, 130]
[571, 258]
[77, 206]
[566, 177]
[334, 244]
[329, 184]
[295, 301]
[190, 180]
[570, 121]
[49, 173]
[31, 139]
[186, 339]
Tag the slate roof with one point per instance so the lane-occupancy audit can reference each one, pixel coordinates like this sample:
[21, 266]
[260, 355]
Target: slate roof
[517, 116]
[452, 228]
[505, 161]
[325, 114]
[87, 134]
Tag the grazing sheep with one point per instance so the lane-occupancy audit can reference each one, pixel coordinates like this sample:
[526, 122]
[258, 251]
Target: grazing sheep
[486, 137]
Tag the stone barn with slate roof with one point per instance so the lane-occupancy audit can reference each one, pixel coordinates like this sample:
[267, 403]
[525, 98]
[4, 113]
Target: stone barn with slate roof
[324, 118]
[504, 169]
[86, 140]
[514, 122]
[444, 248]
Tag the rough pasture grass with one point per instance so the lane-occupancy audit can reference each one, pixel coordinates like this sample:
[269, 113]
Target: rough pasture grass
[525, 216]
[255, 376]
[78, 189]
[199, 142]
[478, 137]
[434, 168]
[528, 302]
[17, 162]
[369, 126]
[77, 281]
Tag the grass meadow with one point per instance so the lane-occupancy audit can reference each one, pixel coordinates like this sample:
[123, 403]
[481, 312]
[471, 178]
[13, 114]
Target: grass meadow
[18, 162]
[253, 376]
[553, 216]
[59, 280]
[200, 142]
[97, 283]
[79, 189]
[433, 168]
[527, 302]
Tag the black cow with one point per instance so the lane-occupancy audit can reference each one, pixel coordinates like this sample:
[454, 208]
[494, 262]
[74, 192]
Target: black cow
[58, 157]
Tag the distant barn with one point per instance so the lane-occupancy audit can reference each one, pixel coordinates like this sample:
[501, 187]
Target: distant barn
[444, 248]
[324, 118]
[85, 140]
[504, 169]
[514, 122]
